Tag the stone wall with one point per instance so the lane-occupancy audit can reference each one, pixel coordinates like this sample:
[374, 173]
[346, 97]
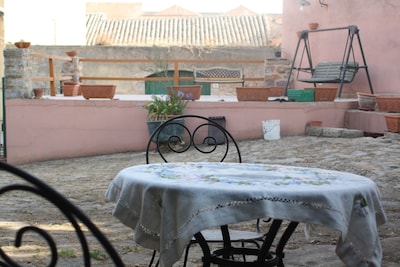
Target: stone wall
[276, 71]
[18, 73]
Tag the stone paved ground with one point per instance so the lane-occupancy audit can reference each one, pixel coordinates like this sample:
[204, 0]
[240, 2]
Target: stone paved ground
[85, 180]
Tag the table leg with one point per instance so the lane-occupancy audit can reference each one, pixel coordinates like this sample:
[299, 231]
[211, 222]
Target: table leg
[284, 239]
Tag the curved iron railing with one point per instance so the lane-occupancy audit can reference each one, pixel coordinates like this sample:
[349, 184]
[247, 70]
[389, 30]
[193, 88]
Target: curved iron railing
[74, 215]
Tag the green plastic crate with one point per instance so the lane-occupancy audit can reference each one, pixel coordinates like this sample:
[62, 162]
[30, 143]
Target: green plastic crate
[301, 95]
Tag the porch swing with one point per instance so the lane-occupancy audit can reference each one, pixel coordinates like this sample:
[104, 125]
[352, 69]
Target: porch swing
[330, 72]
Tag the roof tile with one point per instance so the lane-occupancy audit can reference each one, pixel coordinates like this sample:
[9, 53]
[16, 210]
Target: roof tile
[247, 30]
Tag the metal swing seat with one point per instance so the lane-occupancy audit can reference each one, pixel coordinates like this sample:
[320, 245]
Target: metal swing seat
[330, 72]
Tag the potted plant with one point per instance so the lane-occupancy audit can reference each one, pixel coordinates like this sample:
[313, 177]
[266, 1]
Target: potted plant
[22, 44]
[313, 25]
[162, 109]
[38, 93]
[188, 92]
[70, 88]
[252, 93]
[72, 53]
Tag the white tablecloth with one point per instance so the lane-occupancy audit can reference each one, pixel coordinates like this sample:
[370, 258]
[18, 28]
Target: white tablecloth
[166, 204]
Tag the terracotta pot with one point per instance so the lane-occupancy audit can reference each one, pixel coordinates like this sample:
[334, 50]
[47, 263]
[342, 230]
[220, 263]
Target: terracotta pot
[366, 101]
[276, 91]
[189, 92]
[313, 26]
[315, 123]
[74, 83]
[72, 53]
[98, 91]
[388, 103]
[325, 93]
[38, 93]
[70, 89]
[393, 122]
[252, 93]
[22, 44]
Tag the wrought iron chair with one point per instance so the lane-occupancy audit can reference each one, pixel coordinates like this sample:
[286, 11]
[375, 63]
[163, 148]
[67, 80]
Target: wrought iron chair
[77, 219]
[207, 137]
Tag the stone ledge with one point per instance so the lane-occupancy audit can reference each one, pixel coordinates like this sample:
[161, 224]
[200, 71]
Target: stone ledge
[333, 132]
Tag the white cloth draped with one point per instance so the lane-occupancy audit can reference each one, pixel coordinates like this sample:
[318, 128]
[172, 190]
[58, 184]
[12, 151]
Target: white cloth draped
[166, 204]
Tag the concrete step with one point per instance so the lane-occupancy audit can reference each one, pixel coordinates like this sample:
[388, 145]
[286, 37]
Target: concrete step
[333, 132]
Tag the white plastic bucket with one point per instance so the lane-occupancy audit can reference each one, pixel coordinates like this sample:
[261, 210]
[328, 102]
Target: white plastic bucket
[271, 129]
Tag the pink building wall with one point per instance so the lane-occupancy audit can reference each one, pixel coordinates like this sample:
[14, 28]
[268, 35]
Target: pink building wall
[45, 129]
[378, 22]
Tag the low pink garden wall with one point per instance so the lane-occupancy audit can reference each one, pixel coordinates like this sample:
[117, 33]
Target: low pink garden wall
[45, 129]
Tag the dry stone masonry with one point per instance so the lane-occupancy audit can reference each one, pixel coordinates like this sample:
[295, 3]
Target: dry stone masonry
[18, 73]
[276, 71]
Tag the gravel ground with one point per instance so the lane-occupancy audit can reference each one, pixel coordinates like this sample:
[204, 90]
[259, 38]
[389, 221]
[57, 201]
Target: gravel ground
[85, 180]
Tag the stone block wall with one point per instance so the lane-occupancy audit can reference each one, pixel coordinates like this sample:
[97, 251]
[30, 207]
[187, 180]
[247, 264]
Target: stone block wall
[18, 73]
[276, 71]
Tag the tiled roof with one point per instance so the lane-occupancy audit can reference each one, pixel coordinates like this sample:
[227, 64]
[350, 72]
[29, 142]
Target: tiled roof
[200, 31]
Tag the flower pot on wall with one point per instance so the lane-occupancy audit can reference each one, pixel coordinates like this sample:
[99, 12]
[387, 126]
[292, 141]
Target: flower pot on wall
[313, 25]
[38, 93]
[70, 88]
[188, 92]
[276, 91]
[315, 123]
[22, 44]
[252, 93]
[366, 101]
[388, 103]
[72, 53]
[393, 122]
[98, 91]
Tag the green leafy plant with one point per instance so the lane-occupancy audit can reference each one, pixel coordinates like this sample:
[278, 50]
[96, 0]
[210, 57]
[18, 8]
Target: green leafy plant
[163, 107]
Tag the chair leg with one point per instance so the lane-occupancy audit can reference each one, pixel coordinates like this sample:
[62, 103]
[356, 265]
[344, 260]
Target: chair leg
[153, 258]
[186, 255]
[249, 241]
[244, 255]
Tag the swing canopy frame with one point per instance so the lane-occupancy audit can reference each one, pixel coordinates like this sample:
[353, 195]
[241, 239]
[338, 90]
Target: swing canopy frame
[340, 72]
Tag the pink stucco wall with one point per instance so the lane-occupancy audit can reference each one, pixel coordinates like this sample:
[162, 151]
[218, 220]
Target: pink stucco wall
[48, 129]
[378, 22]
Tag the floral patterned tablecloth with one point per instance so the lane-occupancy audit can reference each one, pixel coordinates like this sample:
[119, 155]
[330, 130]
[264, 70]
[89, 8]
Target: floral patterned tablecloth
[166, 204]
